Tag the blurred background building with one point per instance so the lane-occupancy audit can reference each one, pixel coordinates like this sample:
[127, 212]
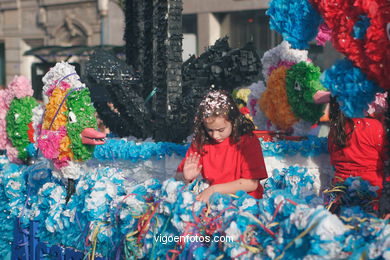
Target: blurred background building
[204, 21]
[27, 25]
[31, 24]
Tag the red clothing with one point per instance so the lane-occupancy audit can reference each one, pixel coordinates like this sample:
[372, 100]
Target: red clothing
[226, 162]
[365, 152]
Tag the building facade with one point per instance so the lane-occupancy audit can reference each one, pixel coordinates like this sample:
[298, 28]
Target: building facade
[241, 20]
[27, 24]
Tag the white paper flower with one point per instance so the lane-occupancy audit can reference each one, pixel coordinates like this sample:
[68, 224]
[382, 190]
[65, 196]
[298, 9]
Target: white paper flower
[281, 54]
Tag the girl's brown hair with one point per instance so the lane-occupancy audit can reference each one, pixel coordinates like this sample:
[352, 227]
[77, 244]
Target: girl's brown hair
[338, 123]
[220, 103]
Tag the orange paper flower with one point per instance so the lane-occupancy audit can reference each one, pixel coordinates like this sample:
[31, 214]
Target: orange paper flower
[274, 103]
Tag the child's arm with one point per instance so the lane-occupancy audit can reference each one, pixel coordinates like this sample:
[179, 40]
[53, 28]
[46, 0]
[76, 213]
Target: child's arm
[247, 185]
[180, 177]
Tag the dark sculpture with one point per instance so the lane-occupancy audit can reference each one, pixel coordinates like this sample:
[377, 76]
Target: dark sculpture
[155, 94]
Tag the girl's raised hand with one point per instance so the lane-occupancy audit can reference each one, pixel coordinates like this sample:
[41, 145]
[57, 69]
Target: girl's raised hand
[191, 168]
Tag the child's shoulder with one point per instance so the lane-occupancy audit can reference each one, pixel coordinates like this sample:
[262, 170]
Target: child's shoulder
[367, 122]
[248, 138]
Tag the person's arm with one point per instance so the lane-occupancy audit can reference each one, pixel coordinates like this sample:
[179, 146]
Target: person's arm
[247, 185]
[180, 177]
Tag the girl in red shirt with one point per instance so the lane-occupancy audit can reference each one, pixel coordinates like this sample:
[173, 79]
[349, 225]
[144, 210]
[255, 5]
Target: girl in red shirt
[356, 147]
[224, 149]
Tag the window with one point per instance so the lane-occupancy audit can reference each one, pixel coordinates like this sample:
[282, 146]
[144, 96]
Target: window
[246, 26]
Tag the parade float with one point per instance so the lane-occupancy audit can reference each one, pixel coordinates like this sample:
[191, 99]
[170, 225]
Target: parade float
[62, 197]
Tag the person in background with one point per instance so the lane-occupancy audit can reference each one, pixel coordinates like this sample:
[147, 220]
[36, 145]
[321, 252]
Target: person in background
[357, 147]
[223, 150]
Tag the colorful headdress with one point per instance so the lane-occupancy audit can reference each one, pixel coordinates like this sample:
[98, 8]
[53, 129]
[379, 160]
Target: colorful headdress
[214, 103]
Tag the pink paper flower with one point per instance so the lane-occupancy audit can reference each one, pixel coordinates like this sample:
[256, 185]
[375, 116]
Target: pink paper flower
[287, 64]
[379, 105]
[3, 135]
[50, 90]
[60, 163]
[8, 96]
[12, 154]
[64, 85]
[4, 107]
[21, 87]
[49, 142]
[252, 104]
[324, 34]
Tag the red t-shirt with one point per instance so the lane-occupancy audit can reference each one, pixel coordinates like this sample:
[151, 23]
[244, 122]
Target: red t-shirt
[365, 152]
[226, 162]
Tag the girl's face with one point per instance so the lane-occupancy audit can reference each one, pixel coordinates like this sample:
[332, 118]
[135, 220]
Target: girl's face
[218, 128]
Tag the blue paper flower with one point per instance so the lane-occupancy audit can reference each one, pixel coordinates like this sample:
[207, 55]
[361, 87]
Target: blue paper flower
[296, 20]
[353, 91]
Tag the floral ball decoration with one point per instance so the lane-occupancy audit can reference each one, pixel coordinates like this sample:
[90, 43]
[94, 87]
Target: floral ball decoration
[361, 31]
[19, 124]
[302, 82]
[21, 87]
[20, 119]
[274, 102]
[69, 112]
[350, 86]
[296, 20]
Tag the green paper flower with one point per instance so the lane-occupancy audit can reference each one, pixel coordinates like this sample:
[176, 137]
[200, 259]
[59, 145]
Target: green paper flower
[18, 118]
[302, 82]
[81, 115]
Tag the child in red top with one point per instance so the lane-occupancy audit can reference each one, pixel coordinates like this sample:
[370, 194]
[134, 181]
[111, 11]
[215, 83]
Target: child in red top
[223, 149]
[357, 147]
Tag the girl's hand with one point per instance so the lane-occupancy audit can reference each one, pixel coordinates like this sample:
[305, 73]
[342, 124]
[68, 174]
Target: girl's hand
[191, 168]
[204, 196]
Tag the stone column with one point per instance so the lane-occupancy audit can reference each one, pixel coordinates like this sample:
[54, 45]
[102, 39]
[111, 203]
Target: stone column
[13, 53]
[209, 30]
[12, 43]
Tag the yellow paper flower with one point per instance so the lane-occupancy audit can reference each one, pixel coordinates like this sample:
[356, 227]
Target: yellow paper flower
[60, 120]
[51, 108]
[65, 150]
[242, 93]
